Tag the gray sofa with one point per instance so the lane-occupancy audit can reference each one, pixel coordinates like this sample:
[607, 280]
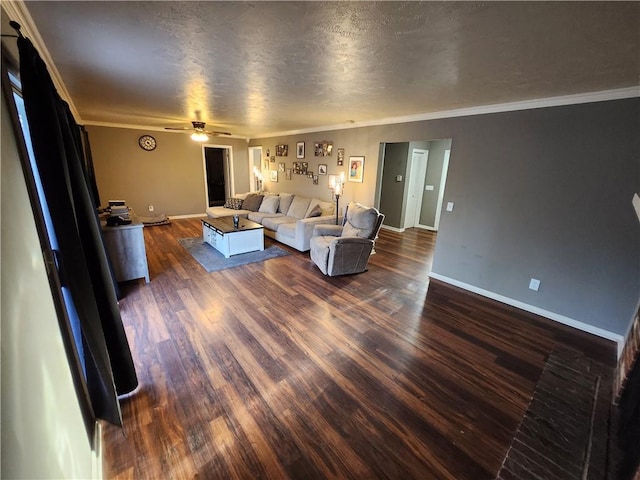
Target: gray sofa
[287, 218]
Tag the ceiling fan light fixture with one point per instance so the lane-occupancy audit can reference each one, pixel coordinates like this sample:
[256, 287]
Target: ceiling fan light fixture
[199, 137]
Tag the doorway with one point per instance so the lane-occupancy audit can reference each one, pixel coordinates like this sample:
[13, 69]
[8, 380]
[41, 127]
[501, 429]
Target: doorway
[255, 168]
[218, 175]
[411, 183]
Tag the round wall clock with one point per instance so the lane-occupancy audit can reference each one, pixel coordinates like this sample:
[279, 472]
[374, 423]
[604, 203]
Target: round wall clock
[147, 142]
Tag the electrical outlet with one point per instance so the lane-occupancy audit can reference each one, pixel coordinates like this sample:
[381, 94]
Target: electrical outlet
[534, 284]
[151, 208]
[449, 206]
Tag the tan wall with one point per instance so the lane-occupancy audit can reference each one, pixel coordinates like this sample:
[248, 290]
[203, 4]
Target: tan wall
[354, 144]
[43, 432]
[171, 177]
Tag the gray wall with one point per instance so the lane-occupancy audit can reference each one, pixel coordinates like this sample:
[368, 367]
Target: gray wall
[392, 192]
[433, 177]
[542, 193]
[547, 194]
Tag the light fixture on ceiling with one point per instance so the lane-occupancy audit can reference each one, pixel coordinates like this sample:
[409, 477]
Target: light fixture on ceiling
[199, 136]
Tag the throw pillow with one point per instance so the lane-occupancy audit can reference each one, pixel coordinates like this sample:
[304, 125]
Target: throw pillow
[285, 202]
[315, 212]
[233, 203]
[252, 202]
[269, 204]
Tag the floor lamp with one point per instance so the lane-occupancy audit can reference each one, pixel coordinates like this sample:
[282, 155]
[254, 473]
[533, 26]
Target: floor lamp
[337, 185]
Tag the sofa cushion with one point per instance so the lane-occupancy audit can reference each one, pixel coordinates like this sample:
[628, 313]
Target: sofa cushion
[298, 207]
[360, 222]
[326, 207]
[273, 223]
[252, 202]
[269, 204]
[285, 202]
[216, 212]
[259, 217]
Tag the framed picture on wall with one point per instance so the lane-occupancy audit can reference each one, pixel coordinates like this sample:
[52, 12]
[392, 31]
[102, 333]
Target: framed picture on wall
[282, 150]
[288, 174]
[274, 176]
[281, 167]
[340, 157]
[322, 169]
[356, 169]
[300, 150]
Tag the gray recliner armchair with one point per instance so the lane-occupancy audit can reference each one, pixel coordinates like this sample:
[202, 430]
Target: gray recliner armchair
[341, 250]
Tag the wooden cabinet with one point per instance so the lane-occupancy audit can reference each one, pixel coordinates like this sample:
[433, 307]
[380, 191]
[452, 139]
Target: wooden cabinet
[125, 244]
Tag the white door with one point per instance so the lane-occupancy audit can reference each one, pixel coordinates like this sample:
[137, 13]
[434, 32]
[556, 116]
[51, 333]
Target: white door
[417, 174]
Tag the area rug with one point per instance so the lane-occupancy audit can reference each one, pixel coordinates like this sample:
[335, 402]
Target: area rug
[213, 261]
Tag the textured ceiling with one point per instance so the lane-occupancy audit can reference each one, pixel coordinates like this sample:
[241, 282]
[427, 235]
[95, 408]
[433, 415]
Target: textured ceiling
[264, 67]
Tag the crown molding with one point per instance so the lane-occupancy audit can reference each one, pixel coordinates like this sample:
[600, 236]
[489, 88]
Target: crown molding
[590, 97]
[18, 11]
[130, 126]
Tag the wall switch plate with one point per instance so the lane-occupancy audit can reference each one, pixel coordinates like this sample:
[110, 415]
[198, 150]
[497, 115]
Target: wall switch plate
[398, 178]
[449, 206]
[534, 284]
[151, 208]
[428, 187]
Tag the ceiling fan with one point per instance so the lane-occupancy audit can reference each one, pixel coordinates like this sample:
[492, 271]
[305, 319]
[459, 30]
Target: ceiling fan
[200, 133]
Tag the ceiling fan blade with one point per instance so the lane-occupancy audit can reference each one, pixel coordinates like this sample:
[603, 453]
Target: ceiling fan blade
[178, 128]
[213, 132]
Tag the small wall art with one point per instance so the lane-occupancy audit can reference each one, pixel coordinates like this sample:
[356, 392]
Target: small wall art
[300, 150]
[340, 157]
[323, 149]
[274, 176]
[304, 168]
[356, 169]
[282, 150]
[297, 168]
[315, 179]
[273, 159]
[281, 167]
[288, 174]
[322, 169]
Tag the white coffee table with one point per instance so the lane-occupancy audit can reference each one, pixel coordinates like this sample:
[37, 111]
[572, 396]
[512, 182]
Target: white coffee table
[221, 235]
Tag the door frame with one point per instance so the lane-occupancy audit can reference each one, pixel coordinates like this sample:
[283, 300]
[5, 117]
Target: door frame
[443, 184]
[252, 177]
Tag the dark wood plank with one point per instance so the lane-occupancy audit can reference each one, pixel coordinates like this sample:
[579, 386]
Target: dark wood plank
[272, 370]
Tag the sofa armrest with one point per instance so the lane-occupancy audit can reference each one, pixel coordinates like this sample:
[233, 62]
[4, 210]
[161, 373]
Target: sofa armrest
[304, 229]
[330, 230]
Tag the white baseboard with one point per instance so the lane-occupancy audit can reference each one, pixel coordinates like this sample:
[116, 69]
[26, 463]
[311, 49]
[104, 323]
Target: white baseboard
[619, 339]
[190, 215]
[393, 229]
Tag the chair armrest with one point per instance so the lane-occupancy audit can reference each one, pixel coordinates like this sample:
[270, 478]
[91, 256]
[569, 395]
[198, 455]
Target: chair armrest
[330, 230]
[351, 241]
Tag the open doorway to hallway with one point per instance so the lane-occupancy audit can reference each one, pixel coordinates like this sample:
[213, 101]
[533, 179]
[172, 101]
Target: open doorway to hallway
[411, 183]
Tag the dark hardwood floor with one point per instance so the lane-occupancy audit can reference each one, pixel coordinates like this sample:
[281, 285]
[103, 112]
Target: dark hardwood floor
[272, 370]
